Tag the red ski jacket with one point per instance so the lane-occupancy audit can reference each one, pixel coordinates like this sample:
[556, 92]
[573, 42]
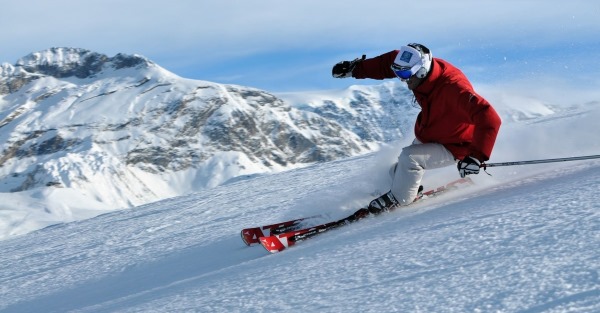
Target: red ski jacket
[452, 114]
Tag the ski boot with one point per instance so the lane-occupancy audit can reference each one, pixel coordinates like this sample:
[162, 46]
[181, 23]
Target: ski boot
[382, 204]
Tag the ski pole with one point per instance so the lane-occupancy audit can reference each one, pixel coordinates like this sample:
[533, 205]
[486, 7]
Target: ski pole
[587, 157]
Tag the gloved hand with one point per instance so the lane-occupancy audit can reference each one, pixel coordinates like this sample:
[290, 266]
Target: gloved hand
[344, 69]
[469, 165]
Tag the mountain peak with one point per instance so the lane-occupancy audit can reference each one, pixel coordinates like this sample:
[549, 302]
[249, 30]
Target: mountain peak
[62, 62]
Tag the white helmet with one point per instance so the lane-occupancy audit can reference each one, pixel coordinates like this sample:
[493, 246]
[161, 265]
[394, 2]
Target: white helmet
[414, 59]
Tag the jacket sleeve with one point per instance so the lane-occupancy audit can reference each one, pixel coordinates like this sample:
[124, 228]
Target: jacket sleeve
[487, 124]
[378, 67]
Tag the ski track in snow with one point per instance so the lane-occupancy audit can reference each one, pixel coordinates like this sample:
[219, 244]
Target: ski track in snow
[526, 245]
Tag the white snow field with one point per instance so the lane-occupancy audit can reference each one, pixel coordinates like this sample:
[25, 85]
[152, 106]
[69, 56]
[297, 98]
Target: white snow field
[526, 239]
[528, 245]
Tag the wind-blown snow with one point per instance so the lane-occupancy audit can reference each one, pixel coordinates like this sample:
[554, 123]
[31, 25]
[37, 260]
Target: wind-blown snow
[523, 240]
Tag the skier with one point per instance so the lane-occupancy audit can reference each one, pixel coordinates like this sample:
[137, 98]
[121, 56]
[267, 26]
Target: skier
[455, 123]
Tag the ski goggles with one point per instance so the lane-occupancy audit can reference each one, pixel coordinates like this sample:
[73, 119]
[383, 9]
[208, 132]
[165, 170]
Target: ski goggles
[405, 72]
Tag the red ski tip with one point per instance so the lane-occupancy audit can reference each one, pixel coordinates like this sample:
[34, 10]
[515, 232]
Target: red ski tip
[272, 244]
[251, 235]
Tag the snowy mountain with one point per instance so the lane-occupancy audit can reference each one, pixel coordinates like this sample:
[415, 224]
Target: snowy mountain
[72, 107]
[114, 132]
[378, 113]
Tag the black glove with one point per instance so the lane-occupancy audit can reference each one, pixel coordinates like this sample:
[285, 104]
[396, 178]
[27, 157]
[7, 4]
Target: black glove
[469, 165]
[344, 69]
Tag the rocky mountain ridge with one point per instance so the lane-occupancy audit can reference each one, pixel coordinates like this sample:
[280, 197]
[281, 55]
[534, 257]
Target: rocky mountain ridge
[125, 131]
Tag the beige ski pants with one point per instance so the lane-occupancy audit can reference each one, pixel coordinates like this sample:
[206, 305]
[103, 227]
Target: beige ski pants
[412, 163]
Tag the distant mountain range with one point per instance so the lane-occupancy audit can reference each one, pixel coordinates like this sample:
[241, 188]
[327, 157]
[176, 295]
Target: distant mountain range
[124, 131]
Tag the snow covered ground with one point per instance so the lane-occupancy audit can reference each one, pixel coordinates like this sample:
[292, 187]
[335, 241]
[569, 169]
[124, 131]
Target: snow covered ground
[523, 240]
[526, 245]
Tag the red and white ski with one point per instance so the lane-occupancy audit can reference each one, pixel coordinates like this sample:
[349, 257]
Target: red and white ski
[251, 235]
[280, 240]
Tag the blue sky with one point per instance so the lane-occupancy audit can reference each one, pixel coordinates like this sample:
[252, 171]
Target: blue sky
[291, 46]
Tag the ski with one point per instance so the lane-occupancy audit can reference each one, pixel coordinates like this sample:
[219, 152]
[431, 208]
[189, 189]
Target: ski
[449, 186]
[279, 241]
[251, 235]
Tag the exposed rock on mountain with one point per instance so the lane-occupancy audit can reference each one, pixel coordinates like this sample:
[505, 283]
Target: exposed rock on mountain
[126, 131]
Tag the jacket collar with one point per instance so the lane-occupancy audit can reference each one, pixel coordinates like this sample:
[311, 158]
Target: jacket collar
[431, 79]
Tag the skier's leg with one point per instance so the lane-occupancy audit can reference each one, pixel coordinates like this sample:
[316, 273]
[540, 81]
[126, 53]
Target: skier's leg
[412, 163]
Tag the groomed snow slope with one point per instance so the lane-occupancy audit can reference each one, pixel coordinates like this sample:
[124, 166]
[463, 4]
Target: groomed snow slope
[528, 245]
